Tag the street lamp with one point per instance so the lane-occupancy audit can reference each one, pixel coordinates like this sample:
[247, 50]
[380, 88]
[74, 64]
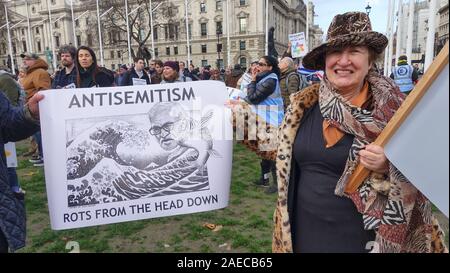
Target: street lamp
[368, 9]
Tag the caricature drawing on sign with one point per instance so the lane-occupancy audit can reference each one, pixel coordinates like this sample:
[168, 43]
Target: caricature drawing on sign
[139, 156]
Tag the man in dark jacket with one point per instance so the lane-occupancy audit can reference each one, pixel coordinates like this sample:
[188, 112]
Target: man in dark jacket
[136, 75]
[15, 124]
[67, 76]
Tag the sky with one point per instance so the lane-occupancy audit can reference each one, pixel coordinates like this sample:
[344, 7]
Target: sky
[327, 9]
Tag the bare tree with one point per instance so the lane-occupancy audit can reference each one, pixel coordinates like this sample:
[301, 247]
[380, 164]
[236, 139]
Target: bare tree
[139, 25]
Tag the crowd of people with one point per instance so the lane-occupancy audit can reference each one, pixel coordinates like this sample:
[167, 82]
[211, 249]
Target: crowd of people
[327, 127]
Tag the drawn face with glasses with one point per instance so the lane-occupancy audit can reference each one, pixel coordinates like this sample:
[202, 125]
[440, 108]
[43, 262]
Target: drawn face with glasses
[167, 126]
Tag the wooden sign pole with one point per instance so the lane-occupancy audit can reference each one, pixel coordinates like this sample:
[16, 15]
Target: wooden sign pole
[402, 113]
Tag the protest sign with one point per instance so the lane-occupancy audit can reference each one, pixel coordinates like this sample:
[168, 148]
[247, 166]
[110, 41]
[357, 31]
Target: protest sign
[11, 156]
[299, 48]
[416, 146]
[136, 152]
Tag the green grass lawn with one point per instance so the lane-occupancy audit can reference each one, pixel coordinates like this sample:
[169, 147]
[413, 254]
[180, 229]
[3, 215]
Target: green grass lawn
[246, 222]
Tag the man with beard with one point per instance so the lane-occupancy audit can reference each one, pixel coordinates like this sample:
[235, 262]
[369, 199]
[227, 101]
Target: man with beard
[66, 77]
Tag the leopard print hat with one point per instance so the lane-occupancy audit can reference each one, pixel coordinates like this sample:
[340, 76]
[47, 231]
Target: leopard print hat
[351, 28]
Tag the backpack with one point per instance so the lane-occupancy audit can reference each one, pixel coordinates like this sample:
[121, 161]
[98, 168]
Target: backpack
[303, 82]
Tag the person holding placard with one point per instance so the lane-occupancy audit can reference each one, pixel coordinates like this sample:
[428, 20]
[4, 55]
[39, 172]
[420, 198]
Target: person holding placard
[327, 131]
[16, 123]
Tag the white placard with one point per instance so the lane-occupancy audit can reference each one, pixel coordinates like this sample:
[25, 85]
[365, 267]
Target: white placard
[236, 94]
[299, 48]
[135, 152]
[137, 81]
[420, 146]
[11, 155]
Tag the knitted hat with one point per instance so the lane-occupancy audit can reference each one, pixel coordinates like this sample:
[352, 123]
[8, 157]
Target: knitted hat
[348, 29]
[174, 65]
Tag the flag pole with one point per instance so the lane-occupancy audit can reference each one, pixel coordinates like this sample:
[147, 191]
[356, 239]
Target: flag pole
[100, 42]
[410, 31]
[73, 25]
[30, 43]
[228, 35]
[151, 29]
[398, 46]
[128, 32]
[9, 42]
[267, 28]
[187, 35]
[429, 53]
[51, 35]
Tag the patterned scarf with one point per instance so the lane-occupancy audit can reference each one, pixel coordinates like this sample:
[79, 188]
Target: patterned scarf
[391, 205]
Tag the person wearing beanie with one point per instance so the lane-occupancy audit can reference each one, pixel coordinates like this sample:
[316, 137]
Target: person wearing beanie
[404, 75]
[171, 73]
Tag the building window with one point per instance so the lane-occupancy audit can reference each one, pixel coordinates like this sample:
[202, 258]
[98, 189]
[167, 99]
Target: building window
[242, 2]
[119, 54]
[111, 54]
[89, 39]
[87, 21]
[219, 27]
[23, 32]
[39, 49]
[24, 46]
[78, 40]
[203, 29]
[242, 45]
[14, 48]
[57, 41]
[243, 62]
[202, 7]
[113, 67]
[242, 24]
[204, 48]
[171, 31]
[175, 50]
[77, 23]
[37, 30]
[220, 63]
[33, 9]
[156, 52]
[56, 24]
[204, 63]
[168, 51]
[155, 33]
[219, 5]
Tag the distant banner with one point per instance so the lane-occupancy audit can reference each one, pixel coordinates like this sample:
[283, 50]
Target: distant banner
[299, 48]
[128, 153]
[11, 155]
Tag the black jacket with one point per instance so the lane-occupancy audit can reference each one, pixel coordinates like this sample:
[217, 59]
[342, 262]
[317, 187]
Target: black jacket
[103, 78]
[130, 75]
[15, 124]
[257, 93]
